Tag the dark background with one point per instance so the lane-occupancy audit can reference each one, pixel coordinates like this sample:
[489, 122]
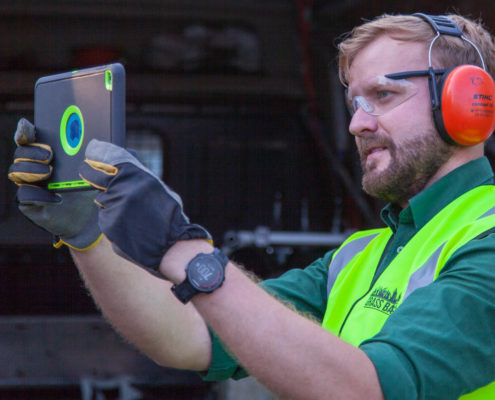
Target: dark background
[241, 108]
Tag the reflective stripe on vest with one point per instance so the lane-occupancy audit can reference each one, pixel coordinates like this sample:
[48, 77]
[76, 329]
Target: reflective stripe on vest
[352, 246]
[357, 307]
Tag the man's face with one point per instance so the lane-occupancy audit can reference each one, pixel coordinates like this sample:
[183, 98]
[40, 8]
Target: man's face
[399, 147]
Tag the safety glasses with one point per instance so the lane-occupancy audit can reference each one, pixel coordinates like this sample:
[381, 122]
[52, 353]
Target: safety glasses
[383, 93]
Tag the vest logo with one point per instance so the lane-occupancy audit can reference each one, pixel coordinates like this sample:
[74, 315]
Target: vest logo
[381, 299]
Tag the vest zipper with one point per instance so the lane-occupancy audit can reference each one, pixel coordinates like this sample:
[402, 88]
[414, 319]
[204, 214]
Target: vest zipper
[373, 281]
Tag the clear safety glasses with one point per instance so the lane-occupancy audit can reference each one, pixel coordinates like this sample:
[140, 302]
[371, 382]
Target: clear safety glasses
[383, 93]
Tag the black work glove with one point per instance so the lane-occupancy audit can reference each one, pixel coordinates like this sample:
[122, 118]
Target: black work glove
[139, 214]
[70, 217]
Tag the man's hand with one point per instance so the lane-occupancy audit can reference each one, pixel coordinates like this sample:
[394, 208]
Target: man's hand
[70, 217]
[139, 214]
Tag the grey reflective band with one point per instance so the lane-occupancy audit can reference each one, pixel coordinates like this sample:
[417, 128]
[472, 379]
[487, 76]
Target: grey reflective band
[491, 211]
[344, 255]
[423, 275]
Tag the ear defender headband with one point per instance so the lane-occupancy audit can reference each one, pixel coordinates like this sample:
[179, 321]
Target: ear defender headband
[462, 98]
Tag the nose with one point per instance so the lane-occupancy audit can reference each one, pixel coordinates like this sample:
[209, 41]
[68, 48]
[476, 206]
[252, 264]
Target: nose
[362, 122]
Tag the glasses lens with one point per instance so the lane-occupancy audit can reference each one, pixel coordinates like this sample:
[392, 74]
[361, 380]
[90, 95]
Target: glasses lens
[381, 94]
[360, 101]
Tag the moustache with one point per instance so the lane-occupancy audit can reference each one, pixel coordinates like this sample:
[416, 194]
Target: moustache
[365, 144]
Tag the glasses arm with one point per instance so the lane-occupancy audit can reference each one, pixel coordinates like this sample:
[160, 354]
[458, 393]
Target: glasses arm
[432, 75]
[412, 74]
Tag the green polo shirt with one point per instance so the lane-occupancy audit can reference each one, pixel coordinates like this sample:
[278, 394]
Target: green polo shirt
[440, 343]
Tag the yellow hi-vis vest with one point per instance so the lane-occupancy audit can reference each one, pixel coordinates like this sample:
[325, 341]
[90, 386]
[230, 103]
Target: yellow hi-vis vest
[357, 308]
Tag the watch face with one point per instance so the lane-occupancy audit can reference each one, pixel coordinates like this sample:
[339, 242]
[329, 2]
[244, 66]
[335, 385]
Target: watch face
[205, 273]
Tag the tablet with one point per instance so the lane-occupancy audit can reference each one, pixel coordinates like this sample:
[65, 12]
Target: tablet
[74, 107]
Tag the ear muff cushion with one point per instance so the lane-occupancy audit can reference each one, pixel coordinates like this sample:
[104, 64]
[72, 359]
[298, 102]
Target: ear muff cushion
[467, 104]
[437, 111]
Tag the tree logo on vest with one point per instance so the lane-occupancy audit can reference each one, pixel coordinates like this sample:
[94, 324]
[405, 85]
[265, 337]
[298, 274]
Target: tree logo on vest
[381, 299]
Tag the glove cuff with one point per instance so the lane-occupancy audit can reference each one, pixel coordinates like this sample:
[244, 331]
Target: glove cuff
[193, 231]
[58, 242]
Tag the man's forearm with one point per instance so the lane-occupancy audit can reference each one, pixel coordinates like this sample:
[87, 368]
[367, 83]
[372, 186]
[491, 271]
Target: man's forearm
[294, 357]
[142, 308]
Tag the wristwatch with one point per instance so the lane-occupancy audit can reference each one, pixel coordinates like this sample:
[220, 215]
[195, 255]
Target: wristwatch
[204, 274]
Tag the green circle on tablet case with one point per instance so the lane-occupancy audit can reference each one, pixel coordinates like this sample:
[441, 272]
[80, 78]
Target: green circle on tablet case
[72, 130]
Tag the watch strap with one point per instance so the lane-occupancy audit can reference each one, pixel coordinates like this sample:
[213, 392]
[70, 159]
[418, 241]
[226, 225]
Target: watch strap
[184, 291]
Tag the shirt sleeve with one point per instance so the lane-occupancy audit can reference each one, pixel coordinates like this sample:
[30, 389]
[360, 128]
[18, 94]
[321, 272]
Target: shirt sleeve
[304, 289]
[440, 343]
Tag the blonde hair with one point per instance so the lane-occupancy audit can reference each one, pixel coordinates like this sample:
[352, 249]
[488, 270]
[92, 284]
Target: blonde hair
[447, 52]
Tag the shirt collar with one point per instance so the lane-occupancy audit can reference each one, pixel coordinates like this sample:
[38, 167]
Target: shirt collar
[426, 204]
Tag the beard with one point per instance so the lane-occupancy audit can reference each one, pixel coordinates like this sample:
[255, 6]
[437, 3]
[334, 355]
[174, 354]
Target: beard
[412, 164]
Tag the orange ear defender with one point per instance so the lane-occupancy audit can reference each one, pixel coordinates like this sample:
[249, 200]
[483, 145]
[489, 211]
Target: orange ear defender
[462, 98]
[466, 115]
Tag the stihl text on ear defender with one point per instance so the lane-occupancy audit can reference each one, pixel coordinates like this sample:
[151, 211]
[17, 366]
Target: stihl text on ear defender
[463, 97]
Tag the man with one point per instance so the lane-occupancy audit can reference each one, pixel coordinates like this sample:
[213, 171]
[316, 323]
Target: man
[403, 312]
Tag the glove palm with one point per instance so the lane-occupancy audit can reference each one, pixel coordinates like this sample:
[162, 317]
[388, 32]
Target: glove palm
[71, 217]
